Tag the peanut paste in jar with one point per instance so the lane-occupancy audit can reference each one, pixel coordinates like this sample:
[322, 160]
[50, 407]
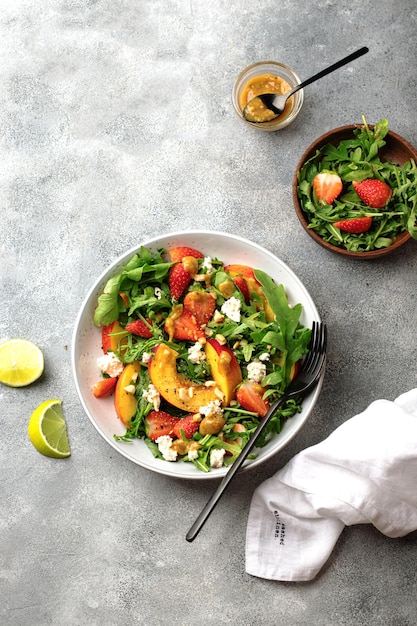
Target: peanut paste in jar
[264, 83]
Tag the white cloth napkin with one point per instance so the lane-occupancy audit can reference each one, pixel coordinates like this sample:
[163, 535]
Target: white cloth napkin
[364, 472]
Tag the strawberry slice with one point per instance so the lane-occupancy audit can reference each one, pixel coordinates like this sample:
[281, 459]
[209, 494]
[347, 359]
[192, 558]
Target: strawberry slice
[188, 424]
[375, 193]
[327, 186]
[241, 284]
[249, 395]
[178, 280]
[159, 423]
[184, 327]
[200, 304]
[355, 225]
[138, 327]
[177, 254]
[104, 387]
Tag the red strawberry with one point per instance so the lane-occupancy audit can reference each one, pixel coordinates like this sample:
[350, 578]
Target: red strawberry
[327, 186]
[375, 193]
[179, 279]
[138, 327]
[177, 254]
[201, 304]
[159, 423]
[188, 424]
[355, 225]
[104, 387]
[184, 328]
[249, 395]
[243, 287]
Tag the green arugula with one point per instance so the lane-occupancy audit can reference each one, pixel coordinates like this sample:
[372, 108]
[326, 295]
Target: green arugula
[357, 159]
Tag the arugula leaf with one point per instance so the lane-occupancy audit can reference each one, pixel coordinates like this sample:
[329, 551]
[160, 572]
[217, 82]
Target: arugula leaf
[287, 334]
[357, 159]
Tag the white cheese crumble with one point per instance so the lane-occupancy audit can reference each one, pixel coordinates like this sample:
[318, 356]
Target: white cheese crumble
[207, 265]
[146, 357]
[165, 448]
[158, 293]
[231, 308]
[110, 364]
[212, 408]
[196, 353]
[256, 371]
[152, 395]
[193, 454]
[216, 457]
[264, 356]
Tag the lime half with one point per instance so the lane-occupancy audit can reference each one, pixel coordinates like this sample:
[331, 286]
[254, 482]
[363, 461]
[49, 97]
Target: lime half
[48, 431]
[21, 362]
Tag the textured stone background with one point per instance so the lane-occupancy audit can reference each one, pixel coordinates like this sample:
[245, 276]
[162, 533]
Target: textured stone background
[116, 125]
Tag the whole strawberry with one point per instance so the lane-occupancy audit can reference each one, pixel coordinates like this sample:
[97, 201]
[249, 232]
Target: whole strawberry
[373, 192]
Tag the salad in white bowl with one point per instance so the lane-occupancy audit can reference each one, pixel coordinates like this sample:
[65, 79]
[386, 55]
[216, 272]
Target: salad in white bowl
[190, 337]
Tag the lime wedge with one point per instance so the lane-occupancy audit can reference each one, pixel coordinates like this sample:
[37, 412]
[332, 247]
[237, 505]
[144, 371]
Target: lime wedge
[48, 431]
[21, 362]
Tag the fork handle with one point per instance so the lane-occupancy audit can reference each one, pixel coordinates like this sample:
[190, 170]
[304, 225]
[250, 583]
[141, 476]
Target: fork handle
[234, 468]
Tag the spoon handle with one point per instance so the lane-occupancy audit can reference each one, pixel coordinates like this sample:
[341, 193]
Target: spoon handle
[331, 68]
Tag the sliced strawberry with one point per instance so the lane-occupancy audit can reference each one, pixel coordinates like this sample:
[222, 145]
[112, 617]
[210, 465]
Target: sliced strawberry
[201, 304]
[159, 423]
[179, 279]
[104, 387]
[138, 327]
[249, 395]
[355, 225]
[375, 193]
[184, 327]
[188, 424]
[327, 186]
[241, 284]
[177, 254]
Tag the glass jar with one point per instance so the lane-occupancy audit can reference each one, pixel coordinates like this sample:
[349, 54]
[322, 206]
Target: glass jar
[275, 69]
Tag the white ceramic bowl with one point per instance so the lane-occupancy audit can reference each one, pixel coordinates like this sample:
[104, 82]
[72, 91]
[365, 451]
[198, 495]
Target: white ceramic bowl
[86, 347]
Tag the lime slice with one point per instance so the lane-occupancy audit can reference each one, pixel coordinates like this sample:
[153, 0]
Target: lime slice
[48, 431]
[21, 362]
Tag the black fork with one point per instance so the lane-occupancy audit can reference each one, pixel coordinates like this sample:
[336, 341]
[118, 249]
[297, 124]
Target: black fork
[307, 377]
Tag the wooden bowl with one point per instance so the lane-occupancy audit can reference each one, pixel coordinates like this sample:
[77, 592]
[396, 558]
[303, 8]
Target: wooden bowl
[397, 150]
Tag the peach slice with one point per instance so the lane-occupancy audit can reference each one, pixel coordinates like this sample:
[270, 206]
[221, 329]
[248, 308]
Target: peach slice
[125, 403]
[253, 285]
[110, 342]
[225, 368]
[173, 387]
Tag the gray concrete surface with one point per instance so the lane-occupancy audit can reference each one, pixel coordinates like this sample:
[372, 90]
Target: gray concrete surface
[117, 125]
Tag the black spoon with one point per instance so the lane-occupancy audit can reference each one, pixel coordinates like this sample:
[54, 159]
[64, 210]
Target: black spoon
[276, 103]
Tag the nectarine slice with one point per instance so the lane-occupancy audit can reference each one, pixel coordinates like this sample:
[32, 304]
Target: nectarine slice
[175, 388]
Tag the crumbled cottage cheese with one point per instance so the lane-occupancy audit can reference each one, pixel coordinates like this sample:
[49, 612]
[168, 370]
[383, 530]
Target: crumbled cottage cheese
[216, 457]
[193, 454]
[146, 357]
[212, 408]
[165, 448]
[256, 371]
[152, 395]
[207, 265]
[196, 353]
[231, 308]
[110, 364]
